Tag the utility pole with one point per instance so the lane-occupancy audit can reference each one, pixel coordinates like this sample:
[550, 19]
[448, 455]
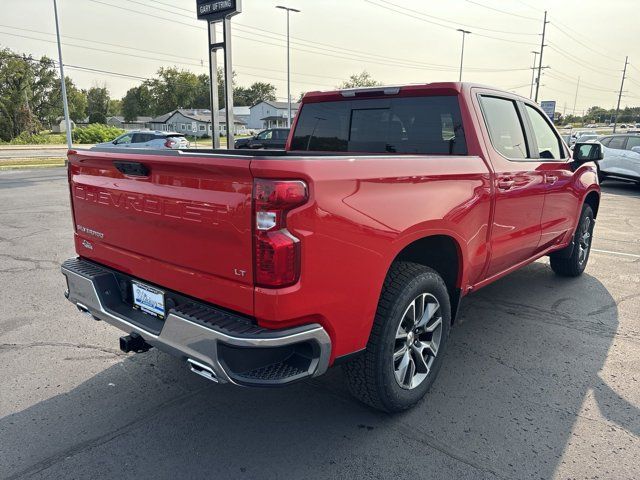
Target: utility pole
[575, 99]
[464, 33]
[624, 73]
[63, 85]
[533, 73]
[289, 10]
[544, 31]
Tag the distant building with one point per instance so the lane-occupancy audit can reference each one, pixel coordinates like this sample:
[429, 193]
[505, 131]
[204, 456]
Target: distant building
[138, 124]
[60, 126]
[193, 122]
[268, 114]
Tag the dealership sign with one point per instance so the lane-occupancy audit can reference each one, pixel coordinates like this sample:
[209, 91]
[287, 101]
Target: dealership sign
[213, 10]
[549, 107]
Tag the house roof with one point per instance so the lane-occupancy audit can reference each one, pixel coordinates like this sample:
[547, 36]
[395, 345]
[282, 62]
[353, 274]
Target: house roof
[163, 118]
[279, 105]
[238, 111]
[274, 117]
[121, 119]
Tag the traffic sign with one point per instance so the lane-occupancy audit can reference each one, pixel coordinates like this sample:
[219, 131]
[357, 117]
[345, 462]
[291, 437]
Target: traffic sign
[549, 107]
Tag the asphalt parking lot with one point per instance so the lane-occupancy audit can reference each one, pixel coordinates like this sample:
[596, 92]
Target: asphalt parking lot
[541, 379]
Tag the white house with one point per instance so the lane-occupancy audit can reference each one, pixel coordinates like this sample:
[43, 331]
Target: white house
[193, 122]
[268, 114]
[60, 126]
[138, 124]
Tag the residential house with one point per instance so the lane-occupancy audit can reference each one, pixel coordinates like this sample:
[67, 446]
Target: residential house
[193, 122]
[60, 126]
[268, 114]
[138, 124]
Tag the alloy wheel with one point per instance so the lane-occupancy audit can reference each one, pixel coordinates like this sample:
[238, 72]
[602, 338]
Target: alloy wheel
[417, 341]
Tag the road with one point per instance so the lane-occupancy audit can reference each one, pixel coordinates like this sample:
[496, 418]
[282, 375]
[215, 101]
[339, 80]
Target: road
[541, 379]
[13, 152]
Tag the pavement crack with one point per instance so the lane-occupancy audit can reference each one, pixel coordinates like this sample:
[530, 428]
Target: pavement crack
[20, 346]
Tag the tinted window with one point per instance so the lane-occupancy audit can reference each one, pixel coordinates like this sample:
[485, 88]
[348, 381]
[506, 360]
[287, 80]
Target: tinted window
[546, 139]
[428, 125]
[281, 134]
[617, 143]
[266, 135]
[633, 142]
[505, 127]
[606, 141]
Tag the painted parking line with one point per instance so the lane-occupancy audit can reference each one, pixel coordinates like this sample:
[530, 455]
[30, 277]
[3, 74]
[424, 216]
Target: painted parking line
[616, 253]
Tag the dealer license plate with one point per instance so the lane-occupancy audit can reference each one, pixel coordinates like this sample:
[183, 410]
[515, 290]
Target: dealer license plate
[148, 299]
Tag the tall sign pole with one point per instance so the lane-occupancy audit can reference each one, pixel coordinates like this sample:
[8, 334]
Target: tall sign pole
[228, 83]
[624, 74]
[544, 31]
[213, 82]
[214, 11]
[289, 10]
[63, 85]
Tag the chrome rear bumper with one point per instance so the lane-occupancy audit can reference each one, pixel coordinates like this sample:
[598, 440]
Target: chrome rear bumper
[218, 345]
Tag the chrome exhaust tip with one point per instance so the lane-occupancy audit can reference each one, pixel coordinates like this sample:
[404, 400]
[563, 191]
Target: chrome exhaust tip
[202, 370]
[83, 309]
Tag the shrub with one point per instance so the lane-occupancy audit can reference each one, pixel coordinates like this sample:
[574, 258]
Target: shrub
[96, 133]
[26, 138]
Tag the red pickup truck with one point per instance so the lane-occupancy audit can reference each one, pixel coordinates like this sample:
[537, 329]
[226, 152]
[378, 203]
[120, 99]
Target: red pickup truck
[353, 246]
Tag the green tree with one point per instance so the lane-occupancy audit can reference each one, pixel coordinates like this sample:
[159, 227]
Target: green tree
[362, 79]
[138, 101]
[256, 92]
[77, 100]
[98, 104]
[115, 107]
[16, 92]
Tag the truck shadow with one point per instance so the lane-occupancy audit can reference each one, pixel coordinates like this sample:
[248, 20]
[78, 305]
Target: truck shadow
[520, 363]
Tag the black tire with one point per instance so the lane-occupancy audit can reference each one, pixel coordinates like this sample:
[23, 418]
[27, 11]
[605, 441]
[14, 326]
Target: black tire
[372, 375]
[573, 264]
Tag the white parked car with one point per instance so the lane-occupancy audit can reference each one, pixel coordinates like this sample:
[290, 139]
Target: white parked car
[147, 139]
[621, 157]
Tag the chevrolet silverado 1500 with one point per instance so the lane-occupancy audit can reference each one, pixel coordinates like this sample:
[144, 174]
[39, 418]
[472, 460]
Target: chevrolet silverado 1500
[353, 246]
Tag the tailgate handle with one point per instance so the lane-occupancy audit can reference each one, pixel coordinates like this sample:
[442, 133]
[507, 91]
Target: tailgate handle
[135, 169]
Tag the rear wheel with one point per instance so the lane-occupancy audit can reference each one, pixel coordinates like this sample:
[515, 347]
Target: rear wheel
[574, 264]
[407, 341]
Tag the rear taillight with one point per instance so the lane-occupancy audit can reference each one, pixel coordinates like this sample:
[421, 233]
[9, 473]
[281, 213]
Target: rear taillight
[277, 251]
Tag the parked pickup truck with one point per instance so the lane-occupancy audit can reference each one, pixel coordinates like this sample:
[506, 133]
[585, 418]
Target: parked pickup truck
[354, 246]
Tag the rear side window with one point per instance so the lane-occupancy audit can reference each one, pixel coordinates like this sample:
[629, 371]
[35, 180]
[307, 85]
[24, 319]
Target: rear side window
[617, 143]
[505, 127]
[419, 125]
[546, 138]
[633, 142]
[606, 141]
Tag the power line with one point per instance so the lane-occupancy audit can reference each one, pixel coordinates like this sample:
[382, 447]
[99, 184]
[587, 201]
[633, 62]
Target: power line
[591, 49]
[458, 24]
[502, 11]
[404, 11]
[577, 60]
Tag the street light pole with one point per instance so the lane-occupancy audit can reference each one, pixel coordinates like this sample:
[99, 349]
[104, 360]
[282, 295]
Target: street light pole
[63, 85]
[288, 9]
[464, 33]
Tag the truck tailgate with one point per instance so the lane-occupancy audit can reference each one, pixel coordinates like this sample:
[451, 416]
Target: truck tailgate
[177, 220]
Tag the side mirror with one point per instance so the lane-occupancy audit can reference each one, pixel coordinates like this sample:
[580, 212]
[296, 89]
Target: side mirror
[587, 152]
[635, 149]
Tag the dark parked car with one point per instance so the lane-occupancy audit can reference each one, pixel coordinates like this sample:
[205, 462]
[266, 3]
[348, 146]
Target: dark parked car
[272, 138]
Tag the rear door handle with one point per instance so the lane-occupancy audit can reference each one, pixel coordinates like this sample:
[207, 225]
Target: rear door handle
[506, 184]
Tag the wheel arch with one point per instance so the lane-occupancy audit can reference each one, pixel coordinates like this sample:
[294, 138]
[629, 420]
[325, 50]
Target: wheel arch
[442, 253]
[593, 200]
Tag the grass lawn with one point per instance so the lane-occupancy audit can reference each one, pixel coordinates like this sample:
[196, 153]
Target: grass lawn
[15, 163]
